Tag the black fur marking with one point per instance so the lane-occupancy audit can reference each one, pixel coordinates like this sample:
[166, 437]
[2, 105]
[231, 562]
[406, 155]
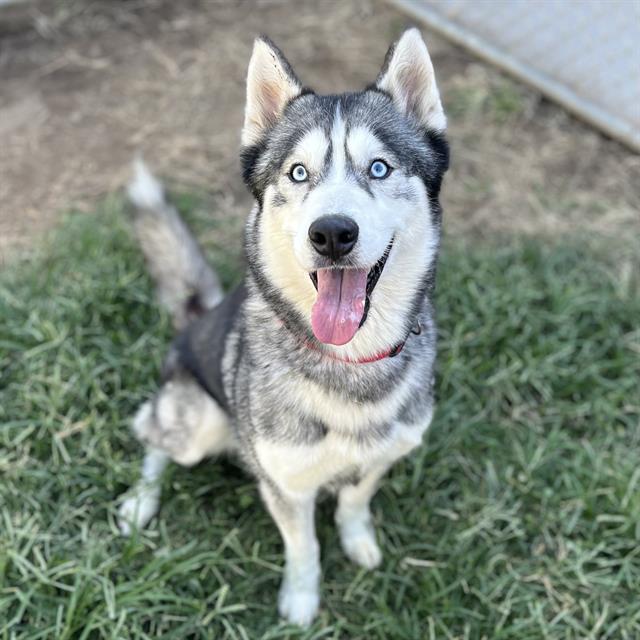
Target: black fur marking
[352, 170]
[368, 435]
[249, 157]
[278, 200]
[194, 305]
[351, 477]
[288, 69]
[276, 425]
[316, 431]
[199, 349]
[373, 433]
[417, 405]
[235, 383]
[387, 62]
[326, 163]
[333, 377]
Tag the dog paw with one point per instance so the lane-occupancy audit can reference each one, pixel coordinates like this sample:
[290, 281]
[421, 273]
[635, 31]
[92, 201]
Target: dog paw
[359, 543]
[136, 511]
[298, 607]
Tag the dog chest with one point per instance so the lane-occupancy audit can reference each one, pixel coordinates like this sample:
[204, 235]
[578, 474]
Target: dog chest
[304, 468]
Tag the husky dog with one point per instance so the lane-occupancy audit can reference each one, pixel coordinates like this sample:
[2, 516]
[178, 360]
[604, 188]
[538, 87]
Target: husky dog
[317, 372]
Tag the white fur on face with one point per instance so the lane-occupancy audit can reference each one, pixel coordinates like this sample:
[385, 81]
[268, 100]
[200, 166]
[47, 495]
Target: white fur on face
[281, 225]
[341, 194]
[396, 207]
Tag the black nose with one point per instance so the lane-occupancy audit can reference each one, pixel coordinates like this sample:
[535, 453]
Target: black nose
[333, 236]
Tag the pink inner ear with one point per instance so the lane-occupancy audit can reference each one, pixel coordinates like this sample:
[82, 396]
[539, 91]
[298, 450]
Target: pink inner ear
[414, 82]
[410, 79]
[409, 83]
[269, 87]
[270, 101]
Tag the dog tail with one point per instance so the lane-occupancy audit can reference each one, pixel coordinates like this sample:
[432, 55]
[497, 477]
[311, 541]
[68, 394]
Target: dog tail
[186, 285]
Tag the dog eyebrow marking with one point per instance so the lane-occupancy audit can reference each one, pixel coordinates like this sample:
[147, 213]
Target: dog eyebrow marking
[311, 150]
[362, 146]
[365, 146]
[326, 165]
[353, 171]
[332, 161]
[324, 172]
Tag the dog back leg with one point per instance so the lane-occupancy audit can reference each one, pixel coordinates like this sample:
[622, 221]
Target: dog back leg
[182, 423]
[144, 499]
[185, 422]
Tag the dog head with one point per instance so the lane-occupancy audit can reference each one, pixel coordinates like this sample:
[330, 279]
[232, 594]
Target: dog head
[347, 223]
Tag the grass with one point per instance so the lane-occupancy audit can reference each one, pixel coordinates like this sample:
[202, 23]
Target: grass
[519, 518]
[494, 98]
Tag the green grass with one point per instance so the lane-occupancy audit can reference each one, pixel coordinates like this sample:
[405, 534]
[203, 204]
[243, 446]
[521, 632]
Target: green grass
[519, 517]
[498, 100]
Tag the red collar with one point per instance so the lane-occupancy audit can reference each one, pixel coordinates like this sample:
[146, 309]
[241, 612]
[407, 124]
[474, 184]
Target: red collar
[388, 353]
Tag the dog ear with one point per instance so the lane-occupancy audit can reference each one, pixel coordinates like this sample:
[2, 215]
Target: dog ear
[408, 77]
[271, 83]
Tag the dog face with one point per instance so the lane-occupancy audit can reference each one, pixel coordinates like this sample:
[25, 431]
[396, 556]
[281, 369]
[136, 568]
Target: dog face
[348, 220]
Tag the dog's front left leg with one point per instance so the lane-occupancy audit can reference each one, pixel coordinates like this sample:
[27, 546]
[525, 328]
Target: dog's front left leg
[353, 517]
[294, 515]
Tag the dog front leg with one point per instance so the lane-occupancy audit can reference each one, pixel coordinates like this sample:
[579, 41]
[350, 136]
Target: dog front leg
[294, 515]
[353, 518]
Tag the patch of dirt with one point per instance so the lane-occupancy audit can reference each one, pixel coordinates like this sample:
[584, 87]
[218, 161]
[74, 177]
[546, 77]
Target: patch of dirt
[84, 85]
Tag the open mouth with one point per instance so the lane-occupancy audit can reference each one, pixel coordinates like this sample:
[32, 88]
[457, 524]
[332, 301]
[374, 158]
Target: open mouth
[343, 301]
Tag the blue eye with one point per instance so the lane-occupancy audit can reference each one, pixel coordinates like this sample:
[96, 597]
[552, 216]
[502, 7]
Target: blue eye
[298, 173]
[379, 169]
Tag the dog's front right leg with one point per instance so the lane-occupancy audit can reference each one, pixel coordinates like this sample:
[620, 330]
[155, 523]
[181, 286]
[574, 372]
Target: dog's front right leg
[294, 515]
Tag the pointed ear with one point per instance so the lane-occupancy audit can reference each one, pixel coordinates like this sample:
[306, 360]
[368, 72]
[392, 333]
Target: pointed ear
[271, 83]
[408, 77]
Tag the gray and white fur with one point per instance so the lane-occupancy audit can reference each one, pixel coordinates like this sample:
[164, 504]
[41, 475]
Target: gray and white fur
[248, 376]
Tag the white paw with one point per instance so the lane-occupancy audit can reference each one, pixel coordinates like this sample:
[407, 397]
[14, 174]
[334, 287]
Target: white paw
[136, 511]
[298, 607]
[359, 543]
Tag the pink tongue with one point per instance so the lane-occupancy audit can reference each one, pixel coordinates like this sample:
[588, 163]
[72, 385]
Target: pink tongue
[339, 307]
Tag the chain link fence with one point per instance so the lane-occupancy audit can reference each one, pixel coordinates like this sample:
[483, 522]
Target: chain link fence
[585, 54]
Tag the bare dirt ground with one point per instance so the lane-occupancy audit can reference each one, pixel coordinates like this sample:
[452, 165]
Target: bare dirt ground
[86, 84]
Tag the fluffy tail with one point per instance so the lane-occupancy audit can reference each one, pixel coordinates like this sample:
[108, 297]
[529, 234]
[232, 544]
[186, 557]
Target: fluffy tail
[186, 284]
